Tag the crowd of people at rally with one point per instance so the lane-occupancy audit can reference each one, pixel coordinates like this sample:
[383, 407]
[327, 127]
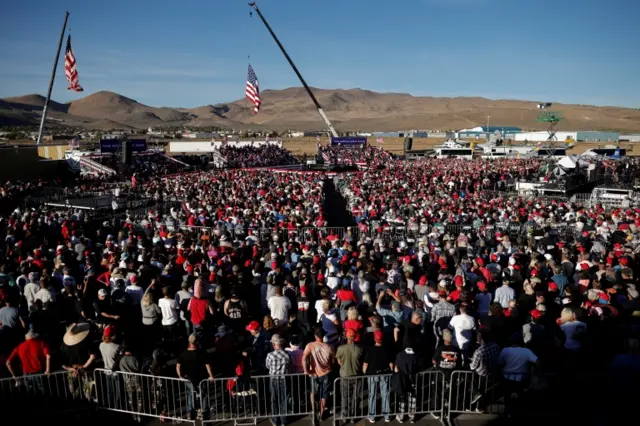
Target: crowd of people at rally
[256, 156]
[196, 294]
[367, 155]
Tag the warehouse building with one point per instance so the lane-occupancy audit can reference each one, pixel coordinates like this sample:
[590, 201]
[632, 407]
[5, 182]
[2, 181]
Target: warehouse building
[485, 132]
[576, 136]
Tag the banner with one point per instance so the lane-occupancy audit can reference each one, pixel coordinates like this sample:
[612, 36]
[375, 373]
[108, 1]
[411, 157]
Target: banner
[109, 146]
[349, 141]
[112, 146]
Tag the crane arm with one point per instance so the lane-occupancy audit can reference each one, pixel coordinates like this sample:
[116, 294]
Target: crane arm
[295, 69]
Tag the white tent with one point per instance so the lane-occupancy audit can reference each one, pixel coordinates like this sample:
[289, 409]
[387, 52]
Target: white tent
[567, 162]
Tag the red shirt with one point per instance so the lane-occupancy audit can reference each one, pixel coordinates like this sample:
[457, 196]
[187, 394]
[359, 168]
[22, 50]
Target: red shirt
[346, 295]
[356, 326]
[32, 354]
[198, 309]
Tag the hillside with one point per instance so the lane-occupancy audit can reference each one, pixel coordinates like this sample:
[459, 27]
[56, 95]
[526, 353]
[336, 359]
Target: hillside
[352, 109]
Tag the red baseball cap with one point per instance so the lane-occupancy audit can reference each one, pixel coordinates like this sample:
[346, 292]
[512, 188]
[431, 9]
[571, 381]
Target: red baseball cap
[109, 331]
[536, 314]
[253, 326]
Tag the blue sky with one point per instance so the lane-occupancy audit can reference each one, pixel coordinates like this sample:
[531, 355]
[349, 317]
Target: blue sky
[194, 52]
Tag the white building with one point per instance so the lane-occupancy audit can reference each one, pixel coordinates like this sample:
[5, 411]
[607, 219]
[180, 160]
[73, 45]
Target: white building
[576, 136]
[197, 135]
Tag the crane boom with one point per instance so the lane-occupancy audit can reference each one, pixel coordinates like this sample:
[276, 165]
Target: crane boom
[295, 69]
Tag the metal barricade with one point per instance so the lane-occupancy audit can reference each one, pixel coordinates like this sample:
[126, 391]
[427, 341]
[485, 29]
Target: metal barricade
[145, 395]
[246, 400]
[372, 397]
[470, 392]
[55, 393]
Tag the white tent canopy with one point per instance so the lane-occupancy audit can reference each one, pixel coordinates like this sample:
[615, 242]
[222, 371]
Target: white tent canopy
[567, 162]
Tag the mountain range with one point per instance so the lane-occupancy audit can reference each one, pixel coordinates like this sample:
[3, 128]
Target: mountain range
[349, 110]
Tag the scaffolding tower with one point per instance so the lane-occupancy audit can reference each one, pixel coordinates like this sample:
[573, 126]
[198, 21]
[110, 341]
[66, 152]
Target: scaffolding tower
[552, 118]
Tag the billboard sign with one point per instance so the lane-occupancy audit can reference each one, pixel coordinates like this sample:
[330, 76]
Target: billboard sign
[112, 146]
[138, 145]
[349, 141]
[109, 146]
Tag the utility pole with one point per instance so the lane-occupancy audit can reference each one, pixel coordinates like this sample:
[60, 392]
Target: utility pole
[53, 77]
[295, 69]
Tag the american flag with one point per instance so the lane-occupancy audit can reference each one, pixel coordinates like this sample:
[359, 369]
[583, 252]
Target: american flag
[70, 68]
[253, 91]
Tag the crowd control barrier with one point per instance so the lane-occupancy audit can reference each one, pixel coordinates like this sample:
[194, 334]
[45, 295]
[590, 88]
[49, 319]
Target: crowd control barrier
[144, 395]
[374, 397]
[248, 399]
[55, 393]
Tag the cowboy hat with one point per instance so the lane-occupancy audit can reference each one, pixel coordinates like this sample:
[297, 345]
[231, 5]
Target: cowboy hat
[76, 333]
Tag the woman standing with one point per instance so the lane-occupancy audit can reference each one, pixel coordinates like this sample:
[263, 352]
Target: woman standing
[150, 320]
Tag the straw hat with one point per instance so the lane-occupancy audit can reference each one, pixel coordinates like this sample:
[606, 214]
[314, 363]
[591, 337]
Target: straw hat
[76, 333]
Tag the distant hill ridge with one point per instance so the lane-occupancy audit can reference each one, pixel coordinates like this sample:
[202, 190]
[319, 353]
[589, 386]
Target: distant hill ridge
[291, 108]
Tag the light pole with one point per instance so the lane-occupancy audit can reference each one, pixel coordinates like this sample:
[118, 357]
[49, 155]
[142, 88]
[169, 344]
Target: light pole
[488, 121]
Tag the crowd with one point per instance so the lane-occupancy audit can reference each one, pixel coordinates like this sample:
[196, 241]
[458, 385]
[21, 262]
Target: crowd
[260, 156]
[367, 155]
[132, 296]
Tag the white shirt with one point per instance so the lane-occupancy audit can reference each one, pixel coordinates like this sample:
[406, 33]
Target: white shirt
[30, 291]
[45, 296]
[279, 307]
[516, 363]
[463, 326]
[332, 282]
[170, 312]
[318, 306]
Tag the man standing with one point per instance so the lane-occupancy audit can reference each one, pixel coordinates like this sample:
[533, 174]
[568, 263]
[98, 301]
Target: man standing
[34, 358]
[349, 357]
[279, 306]
[170, 316]
[194, 366]
[377, 363]
[278, 363]
[317, 361]
[407, 366]
[463, 326]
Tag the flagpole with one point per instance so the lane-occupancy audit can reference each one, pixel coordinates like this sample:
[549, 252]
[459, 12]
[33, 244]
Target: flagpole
[53, 77]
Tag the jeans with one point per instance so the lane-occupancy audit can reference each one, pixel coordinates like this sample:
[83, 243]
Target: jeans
[34, 383]
[350, 395]
[379, 385]
[110, 383]
[278, 400]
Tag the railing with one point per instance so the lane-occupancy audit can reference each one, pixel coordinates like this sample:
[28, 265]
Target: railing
[95, 166]
[145, 395]
[525, 395]
[372, 397]
[258, 397]
[389, 233]
[285, 398]
[55, 393]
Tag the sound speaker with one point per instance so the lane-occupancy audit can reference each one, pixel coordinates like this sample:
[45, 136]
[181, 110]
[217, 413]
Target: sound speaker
[126, 152]
[408, 143]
